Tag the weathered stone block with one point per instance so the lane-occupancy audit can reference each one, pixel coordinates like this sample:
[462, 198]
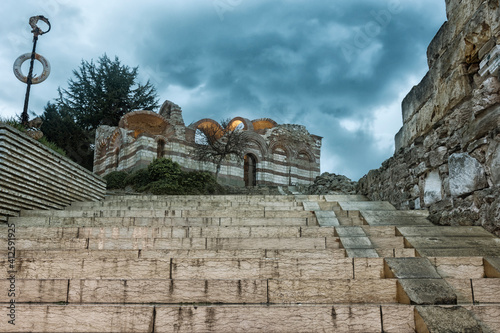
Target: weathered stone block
[425, 292]
[332, 291]
[466, 174]
[78, 318]
[433, 188]
[398, 319]
[437, 157]
[459, 267]
[410, 268]
[167, 291]
[418, 95]
[486, 290]
[445, 319]
[237, 319]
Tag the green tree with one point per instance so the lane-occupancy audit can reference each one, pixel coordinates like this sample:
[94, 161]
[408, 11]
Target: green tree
[60, 128]
[99, 94]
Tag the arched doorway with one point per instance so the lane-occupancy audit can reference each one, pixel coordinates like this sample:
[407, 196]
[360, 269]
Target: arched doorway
[250, 170]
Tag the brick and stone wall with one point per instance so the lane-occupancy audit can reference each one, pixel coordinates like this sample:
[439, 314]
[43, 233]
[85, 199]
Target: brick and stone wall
[448, 151]
[283, 154]
[32, 176]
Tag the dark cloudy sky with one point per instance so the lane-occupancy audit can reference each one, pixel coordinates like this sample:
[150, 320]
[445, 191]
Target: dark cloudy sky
[341, 68]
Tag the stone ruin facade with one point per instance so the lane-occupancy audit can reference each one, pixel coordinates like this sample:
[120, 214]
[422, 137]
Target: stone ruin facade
[447, 155]
[276, 154]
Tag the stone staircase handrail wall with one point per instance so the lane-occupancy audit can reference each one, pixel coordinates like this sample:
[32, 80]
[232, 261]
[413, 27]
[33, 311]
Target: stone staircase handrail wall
[33, 176]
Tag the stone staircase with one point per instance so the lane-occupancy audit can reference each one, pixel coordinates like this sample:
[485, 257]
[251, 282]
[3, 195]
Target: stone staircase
[269, 263]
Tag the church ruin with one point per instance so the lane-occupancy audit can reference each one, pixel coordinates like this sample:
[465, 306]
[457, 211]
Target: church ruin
[276, 154]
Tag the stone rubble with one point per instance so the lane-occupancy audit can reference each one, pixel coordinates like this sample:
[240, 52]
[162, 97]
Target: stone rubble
[330, 183]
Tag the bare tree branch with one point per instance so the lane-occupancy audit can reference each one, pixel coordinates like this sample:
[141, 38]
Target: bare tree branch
[216, 143]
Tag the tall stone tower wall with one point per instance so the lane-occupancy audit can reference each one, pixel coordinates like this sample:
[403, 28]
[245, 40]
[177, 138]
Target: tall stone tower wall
[448, 151]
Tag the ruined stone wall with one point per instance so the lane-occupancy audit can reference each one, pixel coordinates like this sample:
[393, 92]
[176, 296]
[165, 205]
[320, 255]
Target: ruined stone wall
[447, 155]
[284, 154]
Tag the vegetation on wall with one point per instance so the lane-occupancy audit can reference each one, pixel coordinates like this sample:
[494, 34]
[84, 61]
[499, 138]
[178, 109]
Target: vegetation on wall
[43, 140]
[163, 176]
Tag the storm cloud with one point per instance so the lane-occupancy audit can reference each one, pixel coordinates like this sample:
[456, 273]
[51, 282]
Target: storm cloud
[341, 68]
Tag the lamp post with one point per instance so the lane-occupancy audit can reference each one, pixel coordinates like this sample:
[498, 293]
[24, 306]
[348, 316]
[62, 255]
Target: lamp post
[29, 80]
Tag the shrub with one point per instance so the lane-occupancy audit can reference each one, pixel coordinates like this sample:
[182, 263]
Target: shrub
[163, 177]
[164, 169]
[116, 179]
[139, 180]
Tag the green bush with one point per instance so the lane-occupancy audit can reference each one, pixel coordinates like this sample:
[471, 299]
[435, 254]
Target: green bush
[139, 180]
[165, 177]
[164, 169]
[116, 179]
[164, 187]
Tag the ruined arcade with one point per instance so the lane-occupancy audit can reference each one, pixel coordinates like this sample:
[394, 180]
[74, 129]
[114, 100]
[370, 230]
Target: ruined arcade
[276, 154]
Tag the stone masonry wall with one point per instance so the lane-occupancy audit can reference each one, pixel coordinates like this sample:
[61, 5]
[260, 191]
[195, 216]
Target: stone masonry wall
[447, 155]
[34, 177]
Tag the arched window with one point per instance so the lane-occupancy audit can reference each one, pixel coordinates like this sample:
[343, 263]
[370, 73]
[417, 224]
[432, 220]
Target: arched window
[160, 149]
[250, 170]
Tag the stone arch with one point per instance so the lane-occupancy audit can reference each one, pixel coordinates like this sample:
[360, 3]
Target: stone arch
[280, 145]
[115, 139]
[263, 123]
[307, 153]
[144, 122]
[207, 123]
[259, 141]
[247, 124]
[100, 148]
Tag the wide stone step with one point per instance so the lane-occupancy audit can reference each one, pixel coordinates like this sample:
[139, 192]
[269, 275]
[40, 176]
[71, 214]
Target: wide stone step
[161, 221]
[366, 205]
[141, 204]
[55, 318]
[443, 231]
[169, 232]
[212, 318]
[395, 218]
[168, 291]
[299, 318]
[211, 243]
[203, 268]
[169, 253]
[270, 243]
